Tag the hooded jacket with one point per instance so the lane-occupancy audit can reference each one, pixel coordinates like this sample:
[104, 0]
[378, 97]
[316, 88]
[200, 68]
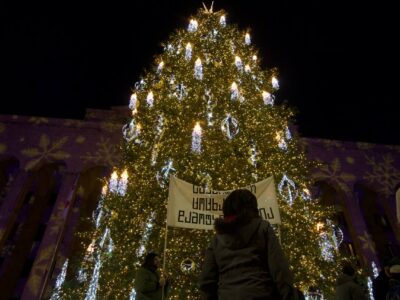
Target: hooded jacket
[348, 289]
[246, 263]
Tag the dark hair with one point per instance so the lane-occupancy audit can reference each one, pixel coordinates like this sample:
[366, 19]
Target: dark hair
[239, 208]
[149, 259]
[348, 270]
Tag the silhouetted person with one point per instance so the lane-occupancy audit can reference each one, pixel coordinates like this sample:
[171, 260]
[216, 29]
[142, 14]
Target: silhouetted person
[149, 283]
[347, 288]
[245, 260]
[394, 283]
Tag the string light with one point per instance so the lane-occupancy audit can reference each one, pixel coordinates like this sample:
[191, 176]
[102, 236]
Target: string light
[234, 91]
[267, 98]
[238, 63]
[132, 102]
[222, 21]
[59, 282]
[275, 83]
[247, 68]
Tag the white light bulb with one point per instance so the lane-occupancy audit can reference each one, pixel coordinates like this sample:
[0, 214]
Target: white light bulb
[234, 91]
[238, 63]
[254, 57]
[267, 98]
[160, 66]
[247, 68]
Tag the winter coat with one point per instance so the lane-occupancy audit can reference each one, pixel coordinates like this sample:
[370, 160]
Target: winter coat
[380, 286]
[348, 289]
[247, 264]
[147, 285]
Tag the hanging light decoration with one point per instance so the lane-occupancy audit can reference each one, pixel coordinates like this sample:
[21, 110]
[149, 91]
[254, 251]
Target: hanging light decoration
[275, 83]
[188, 52]
[222, 21]
[234, 91]
[193, 25]
[247, 39]
[230, 126]
[198, 69]
[150, 99]
[196, 138]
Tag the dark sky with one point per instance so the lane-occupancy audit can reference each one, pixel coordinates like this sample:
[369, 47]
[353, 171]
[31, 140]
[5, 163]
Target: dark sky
[336, 61]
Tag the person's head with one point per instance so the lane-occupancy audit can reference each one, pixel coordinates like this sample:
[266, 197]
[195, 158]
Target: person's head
[239, 208]
[241, 204]
[348, 270]
[395, 271]
[152, 260]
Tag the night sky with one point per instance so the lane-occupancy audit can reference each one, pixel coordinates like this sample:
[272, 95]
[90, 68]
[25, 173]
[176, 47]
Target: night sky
[336, 62]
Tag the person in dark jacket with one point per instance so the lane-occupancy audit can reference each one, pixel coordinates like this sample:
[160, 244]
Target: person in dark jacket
[380, 285]
[149, 284]
[347, 288]
[244, 260]
[394, 283]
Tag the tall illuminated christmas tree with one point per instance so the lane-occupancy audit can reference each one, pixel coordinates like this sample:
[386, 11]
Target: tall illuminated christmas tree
[206, 114]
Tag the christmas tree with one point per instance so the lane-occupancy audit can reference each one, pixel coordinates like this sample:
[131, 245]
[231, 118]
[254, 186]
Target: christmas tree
[205, 113]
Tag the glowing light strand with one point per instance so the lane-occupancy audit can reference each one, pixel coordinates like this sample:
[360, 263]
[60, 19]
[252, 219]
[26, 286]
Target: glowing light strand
[196, 138]
[59, 282]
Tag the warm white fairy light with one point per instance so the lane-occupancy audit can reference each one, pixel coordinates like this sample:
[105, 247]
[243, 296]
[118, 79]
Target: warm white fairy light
[196, 138]
[193, 25]
[222, 21]
[133, 101]
[247, 39]
[113, 185]
[198, 69]
[267, 98]
[275, 83]
[247, 68]
[150, 99]
[327, 247]
[234, 91]
[254, 58]
[238, 63]
[188, 52]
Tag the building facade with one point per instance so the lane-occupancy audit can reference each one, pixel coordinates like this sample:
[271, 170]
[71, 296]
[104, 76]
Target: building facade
[52, 170]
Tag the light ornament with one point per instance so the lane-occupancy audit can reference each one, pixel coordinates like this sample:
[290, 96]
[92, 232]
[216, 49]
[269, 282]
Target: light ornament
[181, 91]
[198, 69]
[337, 236]
[230, 127]
[327, 247]
[275, 83]
[59, 282]
[222, 21]
[169, 48]
[370, 288]
[234, 91]
[281, 141]
[247, 39]
[123, 183]
[193, 25]
[267, 98]
[238, 63]
[254, 58]
[306, 194]
[150, 99]
[188, 52]
[287, 188]
[147, 228]
[196, 138]
[140, 85]
[247, 69]
[208, 97]
[133, 102]
[163, 176]
[288, 134]
[188, 265]
[130, 131]
[160, 67]
[113, 185]
[375, 270]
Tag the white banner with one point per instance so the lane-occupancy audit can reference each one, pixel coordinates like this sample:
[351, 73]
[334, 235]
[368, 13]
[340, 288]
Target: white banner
[191, 206]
